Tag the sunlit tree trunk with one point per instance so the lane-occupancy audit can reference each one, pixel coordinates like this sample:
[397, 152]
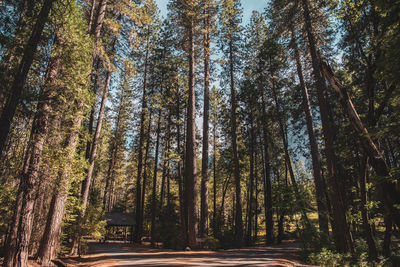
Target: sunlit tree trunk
[190, 162]
[138, 205]
[21, 74]
[203, 231]
[341, 231]
[154, 190]
[236, 171]
[319, 179]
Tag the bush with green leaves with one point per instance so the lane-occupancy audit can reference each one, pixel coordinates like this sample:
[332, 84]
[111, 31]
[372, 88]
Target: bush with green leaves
[169, 226]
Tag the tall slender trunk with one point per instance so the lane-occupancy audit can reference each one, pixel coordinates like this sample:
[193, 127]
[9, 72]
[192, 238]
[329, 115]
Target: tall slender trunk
[204, 165]
[372, 252]
[21, 74]
[90, 126]
[319, 179]
[214, 178]
[138, 212]
[52, 230]
[282, 128]
[269, 223]
[256, 192]
[387, 236]
[388, 190]
[19, 236]
[107, 191]
[249, 239]
[154, 190]
[145, 172]
[165, 160]
[91, 14]
[341, 231]
[111, 168]
[190, 162]
[8, 65]
[238, 193]
[93, 152]
[182, 202]
[95, 31]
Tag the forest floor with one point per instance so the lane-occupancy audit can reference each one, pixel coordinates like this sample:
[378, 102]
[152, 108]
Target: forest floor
[119, 254]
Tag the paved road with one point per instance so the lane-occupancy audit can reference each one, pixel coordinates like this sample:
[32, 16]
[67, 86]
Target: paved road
[123, 255]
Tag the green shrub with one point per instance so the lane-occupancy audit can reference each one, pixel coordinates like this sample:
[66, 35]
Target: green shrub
[328, 258]
[211, 243]
[169, 227]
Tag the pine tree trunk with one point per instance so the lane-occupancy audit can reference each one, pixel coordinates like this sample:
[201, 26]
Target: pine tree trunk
[341, 231]
[282, 128]
[215, 178]
[204, 165]
[21, 74]
[372, 252]
[165, 160]
[190, 162]
[319, 179]
[251, 185]
[19, 236]
[145, 172]
[388, 190]
[238, 193]
[269, 223]
[138, 212]
[255, 237]
[92, 112]
[93, 152]
[91, 15]
[387, 236]
[95, 31]
[52, 231]
[154, 190]
[182, 202]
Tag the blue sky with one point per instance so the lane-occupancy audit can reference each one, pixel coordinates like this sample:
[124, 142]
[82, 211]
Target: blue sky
[248, 7]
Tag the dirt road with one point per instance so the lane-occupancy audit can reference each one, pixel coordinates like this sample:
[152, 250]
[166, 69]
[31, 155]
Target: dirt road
[111, 254]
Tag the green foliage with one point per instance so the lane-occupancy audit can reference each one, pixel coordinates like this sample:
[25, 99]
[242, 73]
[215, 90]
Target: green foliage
[168, 226]
[313, 240]
[329, 258]
[212, 243]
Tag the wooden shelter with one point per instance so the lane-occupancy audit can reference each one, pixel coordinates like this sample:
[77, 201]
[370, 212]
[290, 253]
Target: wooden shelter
[119, 226]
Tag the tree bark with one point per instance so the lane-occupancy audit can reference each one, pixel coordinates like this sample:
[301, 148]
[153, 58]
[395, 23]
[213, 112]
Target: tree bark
[269, 223]
[154, 190]
[95, 31]
[146, 156]
[52, 230]
[190, 162]
[372, 252]
[319, 179]
[388, 190]
[288, 161]
[255, 237]
[214, 178]
[249, 239]
[19, 236]
[341, 231]
[138, 212]
[204, 165]
[96, 137]
[238, 193]
[22, 72]
[182, 202]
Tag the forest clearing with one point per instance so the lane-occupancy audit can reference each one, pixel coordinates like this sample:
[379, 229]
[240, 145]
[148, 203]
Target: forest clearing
[200, 132]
